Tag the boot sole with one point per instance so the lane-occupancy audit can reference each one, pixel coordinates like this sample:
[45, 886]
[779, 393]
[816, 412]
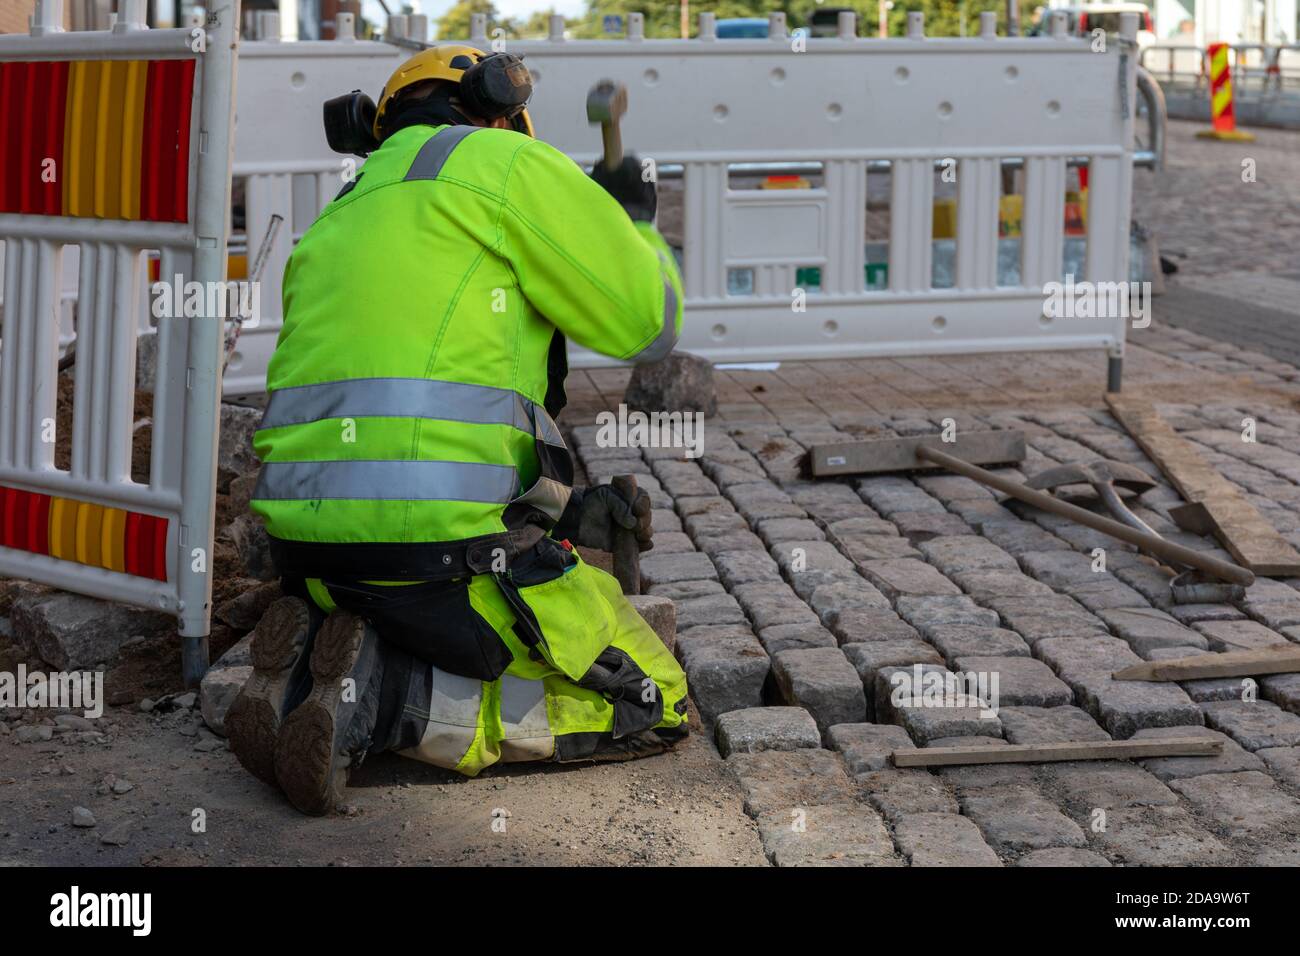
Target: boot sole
[253, 720]
[307, 764]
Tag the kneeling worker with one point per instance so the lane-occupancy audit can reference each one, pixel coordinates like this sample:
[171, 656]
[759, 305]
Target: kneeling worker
[415, 486]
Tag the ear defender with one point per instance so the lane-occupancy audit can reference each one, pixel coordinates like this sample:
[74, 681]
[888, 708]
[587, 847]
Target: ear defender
[497, 86]
[349, 124]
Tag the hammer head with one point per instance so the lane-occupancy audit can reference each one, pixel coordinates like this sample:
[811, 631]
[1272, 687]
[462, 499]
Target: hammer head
[1099, 472]
[606, 102]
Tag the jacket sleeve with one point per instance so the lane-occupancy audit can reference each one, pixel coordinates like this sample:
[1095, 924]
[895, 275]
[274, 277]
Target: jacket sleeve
[608, 283]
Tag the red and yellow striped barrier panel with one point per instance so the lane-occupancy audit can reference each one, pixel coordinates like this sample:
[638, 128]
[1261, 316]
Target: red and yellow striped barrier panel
[1222, 119]
[99, 139]
[91, 534]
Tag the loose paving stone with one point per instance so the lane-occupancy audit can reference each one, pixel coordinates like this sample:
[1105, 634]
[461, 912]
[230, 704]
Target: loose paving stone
[1244, 804]
[784, 637]
[1238, 635]
[1049, 725]
[867, 747]
[670, 568]
[896, 793]
[1158, 836]
[862, 548]
[1017, 681]
[867, 659]
[919, 526]
[907, 577]
[775, 531]
[725, 666]
[745, 567]
[1254, 724]
[857, 625]
[924, 613]
[841, 834]
[822, 680]
[1057, 856]
[766, 728]
[73, 633]
[769, 604]
[1019, 819]
[1122, 707]
[1109, 784]
[942, 839]
[709, 609]
[1041, 617]
[685, 590]
[834, 596]
[782, 780]
[987, 584]
[1146, 629]
[964, 640]
[1283, 690]
[1283, 763]
[967, 552]
[223, 682]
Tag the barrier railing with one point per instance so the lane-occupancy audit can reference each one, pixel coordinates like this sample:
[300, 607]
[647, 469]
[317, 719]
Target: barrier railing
[118, 142]
[1258, 69]
[944, 198]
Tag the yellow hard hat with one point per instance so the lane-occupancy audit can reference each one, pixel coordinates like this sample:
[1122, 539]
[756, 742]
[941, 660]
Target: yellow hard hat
[447, 62]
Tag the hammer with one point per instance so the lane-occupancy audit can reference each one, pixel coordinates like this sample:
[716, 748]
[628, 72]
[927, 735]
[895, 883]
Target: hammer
[606, 104]
[627, 553]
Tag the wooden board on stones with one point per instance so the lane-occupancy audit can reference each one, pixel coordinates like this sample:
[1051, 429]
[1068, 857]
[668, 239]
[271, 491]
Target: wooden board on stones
[883, 455]
[1279, 659]
[1052, 753]
[1232, 519]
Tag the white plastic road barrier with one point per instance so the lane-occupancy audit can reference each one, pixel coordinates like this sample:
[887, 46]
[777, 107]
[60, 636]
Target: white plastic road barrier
[914, 272]
[118, 142]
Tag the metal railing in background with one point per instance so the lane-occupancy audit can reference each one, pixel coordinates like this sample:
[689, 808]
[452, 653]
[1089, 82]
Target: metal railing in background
[136, 126]
[1265, 81]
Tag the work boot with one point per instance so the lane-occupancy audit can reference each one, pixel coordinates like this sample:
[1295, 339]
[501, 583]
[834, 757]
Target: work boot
[279, 669]
[328, 734]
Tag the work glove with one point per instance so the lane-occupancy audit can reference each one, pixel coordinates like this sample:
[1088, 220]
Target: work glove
[595, 515]
[627, 184]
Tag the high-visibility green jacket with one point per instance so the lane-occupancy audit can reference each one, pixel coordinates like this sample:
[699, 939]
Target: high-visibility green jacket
[413, 385]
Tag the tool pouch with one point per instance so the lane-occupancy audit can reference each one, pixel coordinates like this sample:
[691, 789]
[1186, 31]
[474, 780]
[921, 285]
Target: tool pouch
[637, 703]
[559, 611]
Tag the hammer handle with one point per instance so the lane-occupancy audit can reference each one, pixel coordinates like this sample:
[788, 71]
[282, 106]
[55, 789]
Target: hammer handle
[1174, 553]
[613, 150]
[627, 554]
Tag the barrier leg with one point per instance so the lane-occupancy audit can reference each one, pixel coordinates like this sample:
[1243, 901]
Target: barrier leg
[194, 659]
[1114, 372]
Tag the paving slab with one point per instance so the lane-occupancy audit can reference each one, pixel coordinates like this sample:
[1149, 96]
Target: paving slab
[943, 839]
[1146, 628]
[1231, 760]
[965, 640]
[868, 624]
[766, 728]
[1238, 635]
[1244, 804]
[1283, 764]
[725, 666]
[1108, 784]
[782, 780]
[782, 637]
[967, 552]
[897, 792]
[670, 568]
[907, 577]
[1254, 724]
[839, 834]
[823, 681]
[1049, 725]
[1058, 856]
[926, 612]
[867, 747]
[1157, 836]
[1018, 820]
[1018, 681]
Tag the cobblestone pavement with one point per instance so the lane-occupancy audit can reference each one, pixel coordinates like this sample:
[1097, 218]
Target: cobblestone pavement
[798, 601]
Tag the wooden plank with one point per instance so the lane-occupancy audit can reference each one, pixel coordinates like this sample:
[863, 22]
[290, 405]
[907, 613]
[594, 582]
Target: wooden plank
[1235, 522]
[1052, 753]
[899, 454]
[1278, 659]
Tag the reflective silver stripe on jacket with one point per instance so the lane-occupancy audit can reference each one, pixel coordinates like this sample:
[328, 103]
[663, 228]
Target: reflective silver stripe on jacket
[386, 481]
[434, 153]
[399, 398]
[667, 337]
